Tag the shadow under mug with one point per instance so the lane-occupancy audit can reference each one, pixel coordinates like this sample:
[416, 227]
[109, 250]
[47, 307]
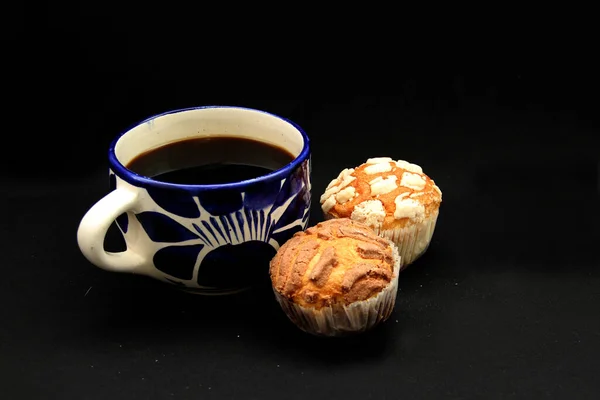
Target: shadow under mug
[209, 239]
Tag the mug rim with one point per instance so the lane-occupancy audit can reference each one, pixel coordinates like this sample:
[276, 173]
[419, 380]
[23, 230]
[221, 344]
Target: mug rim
[136, 179]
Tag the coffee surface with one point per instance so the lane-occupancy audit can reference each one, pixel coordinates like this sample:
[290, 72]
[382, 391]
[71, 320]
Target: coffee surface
[210, 160]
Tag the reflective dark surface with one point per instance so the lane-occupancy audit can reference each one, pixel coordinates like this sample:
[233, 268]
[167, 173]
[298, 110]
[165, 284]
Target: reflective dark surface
[504, 304]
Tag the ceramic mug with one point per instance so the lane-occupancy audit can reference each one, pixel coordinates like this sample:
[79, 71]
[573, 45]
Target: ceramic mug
[209, 239]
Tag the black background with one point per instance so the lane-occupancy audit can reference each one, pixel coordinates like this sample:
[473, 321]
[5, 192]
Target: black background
[505, 304]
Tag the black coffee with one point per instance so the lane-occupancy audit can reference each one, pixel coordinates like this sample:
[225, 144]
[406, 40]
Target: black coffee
[210, 160]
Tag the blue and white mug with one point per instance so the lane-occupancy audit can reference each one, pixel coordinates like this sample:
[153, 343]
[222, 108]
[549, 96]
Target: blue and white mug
[210, 239]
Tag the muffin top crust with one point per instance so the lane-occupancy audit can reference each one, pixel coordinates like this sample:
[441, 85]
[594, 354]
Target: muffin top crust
[339, 261]
[382, 192]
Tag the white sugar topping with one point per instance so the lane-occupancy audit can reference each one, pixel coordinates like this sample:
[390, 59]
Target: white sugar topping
[381, 185]
[379, 160]
[346, 194]
[377, 168]
[412, 181]
[408, 208]
[369, 212]
[409, 166]
[328, 204]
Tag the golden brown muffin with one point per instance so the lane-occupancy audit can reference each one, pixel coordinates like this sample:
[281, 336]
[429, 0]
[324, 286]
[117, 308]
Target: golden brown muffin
[335, 278]
[394, 198]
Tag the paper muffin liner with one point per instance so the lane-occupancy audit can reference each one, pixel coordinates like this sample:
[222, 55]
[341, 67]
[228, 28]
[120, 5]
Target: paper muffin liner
[412, 241]
[342, 320]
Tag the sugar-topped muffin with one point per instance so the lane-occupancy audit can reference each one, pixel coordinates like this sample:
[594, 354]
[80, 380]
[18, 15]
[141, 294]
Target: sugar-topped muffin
[394, 198]
[336, 278]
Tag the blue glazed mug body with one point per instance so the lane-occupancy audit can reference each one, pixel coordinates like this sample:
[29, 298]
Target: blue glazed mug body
[210, 239]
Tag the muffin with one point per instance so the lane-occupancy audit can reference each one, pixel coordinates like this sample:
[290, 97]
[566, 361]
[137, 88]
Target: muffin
[395, 198]
[336, 278]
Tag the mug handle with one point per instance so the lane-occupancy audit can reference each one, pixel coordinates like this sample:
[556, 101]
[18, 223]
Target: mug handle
[95, 224]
